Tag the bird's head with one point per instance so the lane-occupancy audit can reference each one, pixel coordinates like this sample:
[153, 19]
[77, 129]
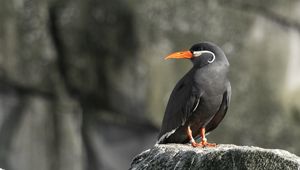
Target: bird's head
[202, 54]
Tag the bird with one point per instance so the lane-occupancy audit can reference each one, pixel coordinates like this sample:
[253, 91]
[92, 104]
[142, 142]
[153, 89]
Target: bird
[200, 99]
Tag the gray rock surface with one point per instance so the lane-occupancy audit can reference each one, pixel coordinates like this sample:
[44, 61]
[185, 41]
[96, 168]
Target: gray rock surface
[178, 156]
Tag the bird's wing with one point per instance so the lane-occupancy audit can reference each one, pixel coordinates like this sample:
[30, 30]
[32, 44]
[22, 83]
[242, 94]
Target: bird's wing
[222, 110]
[183, 101]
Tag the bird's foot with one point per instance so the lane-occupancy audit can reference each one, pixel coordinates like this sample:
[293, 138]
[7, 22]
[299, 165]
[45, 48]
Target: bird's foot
[194, 144]
[209, 145]
[203, 142]
[204, 145]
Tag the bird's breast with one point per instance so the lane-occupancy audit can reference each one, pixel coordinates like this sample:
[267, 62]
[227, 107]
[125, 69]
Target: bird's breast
[212, 82]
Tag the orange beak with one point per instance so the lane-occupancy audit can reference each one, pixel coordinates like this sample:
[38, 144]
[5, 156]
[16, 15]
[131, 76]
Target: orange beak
[181, 54]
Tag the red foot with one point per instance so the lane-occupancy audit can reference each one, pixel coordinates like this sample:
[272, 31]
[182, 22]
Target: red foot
[204, 144]
[212, 145]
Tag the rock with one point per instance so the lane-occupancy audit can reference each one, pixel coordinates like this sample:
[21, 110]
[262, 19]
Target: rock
[179, 156]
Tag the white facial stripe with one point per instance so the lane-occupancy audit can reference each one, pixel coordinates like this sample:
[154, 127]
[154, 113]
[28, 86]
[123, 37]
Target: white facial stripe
[198, 53]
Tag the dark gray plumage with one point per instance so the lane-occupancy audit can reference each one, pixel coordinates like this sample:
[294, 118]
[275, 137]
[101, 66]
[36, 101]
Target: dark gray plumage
[201, 98]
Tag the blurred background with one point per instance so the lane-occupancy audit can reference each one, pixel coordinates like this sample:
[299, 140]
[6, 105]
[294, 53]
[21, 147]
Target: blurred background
[83, 84]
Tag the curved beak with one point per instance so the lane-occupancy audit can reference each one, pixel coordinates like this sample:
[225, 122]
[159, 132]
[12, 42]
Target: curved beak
[181, 54]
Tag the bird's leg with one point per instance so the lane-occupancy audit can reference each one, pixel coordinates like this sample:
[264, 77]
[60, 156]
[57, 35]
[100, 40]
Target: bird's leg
[190, 135]
[204, 142]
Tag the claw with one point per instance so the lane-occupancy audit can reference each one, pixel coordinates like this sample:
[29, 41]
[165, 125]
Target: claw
[209, 145]
[203, 142]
